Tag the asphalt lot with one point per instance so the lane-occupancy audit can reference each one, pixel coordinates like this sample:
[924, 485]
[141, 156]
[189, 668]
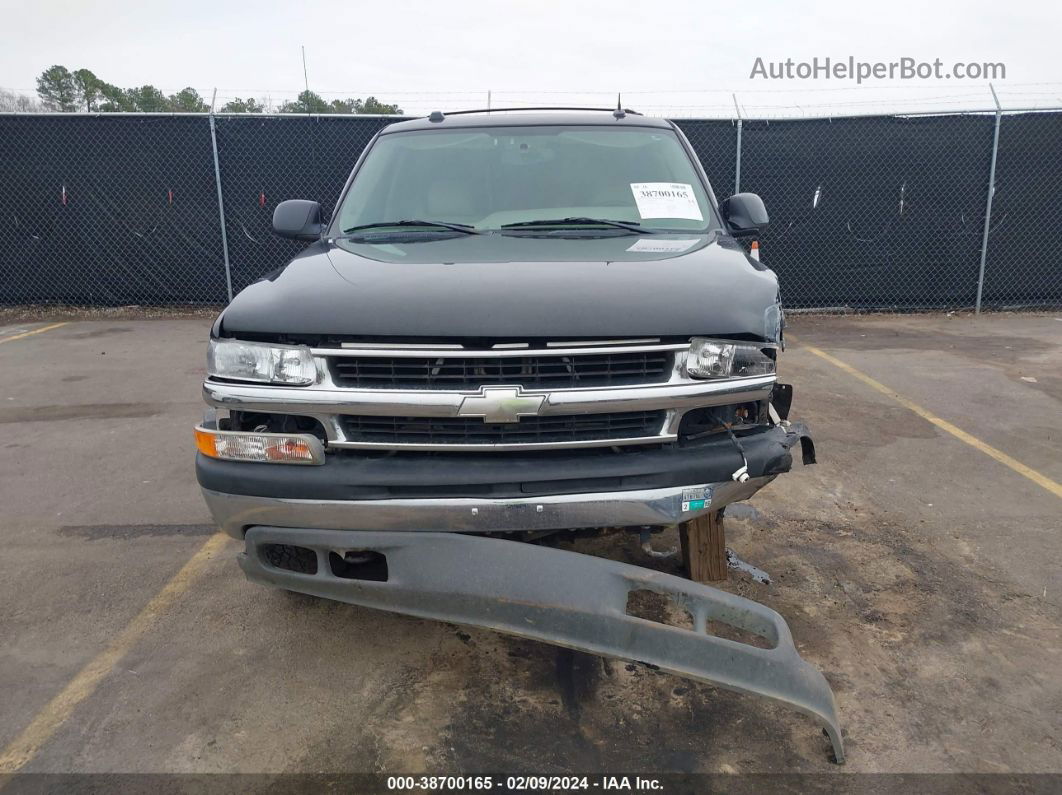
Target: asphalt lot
[920, 573]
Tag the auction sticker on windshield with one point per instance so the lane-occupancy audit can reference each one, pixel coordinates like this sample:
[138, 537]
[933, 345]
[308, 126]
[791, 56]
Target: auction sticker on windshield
[657, 246]
[666, 200]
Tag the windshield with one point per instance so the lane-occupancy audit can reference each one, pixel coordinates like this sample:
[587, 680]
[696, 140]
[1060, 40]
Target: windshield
[492, 177]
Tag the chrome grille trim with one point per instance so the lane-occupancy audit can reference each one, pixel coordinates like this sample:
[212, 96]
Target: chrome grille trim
[426, 403]
[428, 352]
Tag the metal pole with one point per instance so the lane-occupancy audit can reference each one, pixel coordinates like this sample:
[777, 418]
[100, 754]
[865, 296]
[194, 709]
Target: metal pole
[221, 209]
[988, 202]
[737, 157]
[305, 74]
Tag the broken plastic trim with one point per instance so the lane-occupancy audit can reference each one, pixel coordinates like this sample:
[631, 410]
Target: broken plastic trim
[560, 597]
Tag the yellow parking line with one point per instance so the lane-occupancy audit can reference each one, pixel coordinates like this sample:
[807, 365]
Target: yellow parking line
[24, 747]
[40, 330]
[1025, 471]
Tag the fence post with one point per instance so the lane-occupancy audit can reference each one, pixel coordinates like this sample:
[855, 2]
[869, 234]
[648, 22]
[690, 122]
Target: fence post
[221, 207]
[988, 202]
[737, 156]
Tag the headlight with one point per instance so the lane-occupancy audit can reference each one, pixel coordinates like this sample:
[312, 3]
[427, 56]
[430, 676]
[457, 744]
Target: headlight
[712, 359]
[253, 361]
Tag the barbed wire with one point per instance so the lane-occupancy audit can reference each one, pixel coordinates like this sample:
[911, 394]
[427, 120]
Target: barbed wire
[699, 102]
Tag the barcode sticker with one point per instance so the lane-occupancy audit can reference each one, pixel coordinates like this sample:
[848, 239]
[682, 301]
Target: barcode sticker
[663, 246]
[666, 200]
[696, 498]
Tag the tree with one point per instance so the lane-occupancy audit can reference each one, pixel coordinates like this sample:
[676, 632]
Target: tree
[373, 105]
[57, 89]
[308, 102]
[12, 102]
[61, 89]
[344, 106]
[115, 99]
[187, 100]
[88, 87]
[148, 99]
[248, 105]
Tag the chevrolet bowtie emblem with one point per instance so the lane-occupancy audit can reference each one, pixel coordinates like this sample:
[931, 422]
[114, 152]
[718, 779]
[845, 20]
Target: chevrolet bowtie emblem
[501, 404]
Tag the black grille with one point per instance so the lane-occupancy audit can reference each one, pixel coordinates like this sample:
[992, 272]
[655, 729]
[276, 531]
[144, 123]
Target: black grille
[529, 430]
[581, 370]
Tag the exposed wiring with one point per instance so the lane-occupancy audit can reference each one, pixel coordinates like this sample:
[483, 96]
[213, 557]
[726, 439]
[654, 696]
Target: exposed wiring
[740, 475]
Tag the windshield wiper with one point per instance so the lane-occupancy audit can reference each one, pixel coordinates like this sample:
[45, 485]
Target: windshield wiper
[630, 226]
[467, 229]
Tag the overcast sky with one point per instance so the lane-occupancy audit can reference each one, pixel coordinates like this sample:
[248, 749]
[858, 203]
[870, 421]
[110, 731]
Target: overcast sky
[668, 56]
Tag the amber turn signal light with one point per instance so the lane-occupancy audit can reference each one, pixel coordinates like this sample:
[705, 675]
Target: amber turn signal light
[272, 448]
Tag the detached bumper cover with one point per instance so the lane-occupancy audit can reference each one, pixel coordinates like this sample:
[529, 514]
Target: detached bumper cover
[558, 597]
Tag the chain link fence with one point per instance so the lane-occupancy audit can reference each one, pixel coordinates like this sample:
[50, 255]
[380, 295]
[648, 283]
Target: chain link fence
[867, 213]
[265, 160]
[108, 211]
[872, 212]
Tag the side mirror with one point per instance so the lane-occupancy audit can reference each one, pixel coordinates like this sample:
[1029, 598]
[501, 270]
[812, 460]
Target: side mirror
[299, 219]
[744, 214]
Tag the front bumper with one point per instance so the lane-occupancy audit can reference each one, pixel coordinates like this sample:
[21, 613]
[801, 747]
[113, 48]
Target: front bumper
[560, 597]
[488, 492]
[653, 507]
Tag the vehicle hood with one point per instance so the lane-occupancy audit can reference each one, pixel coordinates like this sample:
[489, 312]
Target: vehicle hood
[496, 286]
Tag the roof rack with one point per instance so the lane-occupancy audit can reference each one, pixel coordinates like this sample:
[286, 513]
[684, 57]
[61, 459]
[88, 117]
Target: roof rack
[544, 107]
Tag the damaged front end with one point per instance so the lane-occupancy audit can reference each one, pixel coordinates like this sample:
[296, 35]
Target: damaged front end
[551, 595]
[407, 479]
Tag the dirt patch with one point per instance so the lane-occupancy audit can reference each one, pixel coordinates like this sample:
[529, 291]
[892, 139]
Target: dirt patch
[658, 607]
[529, 715]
